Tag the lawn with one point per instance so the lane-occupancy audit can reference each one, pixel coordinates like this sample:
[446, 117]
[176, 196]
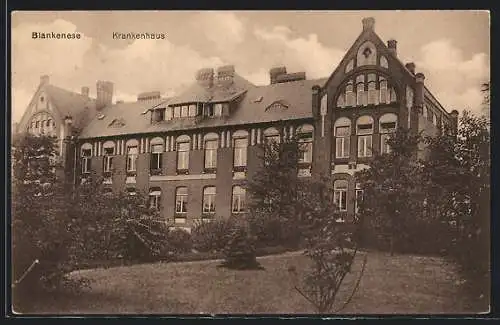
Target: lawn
[398, 284]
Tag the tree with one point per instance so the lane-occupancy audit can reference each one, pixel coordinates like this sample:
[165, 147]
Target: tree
[392, 197]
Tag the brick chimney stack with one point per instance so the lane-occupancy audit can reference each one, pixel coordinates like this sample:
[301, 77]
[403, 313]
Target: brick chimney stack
[392, 44]
[274, 73]
[368, 23]
[225, 75]
[205, 77]
[104, 94]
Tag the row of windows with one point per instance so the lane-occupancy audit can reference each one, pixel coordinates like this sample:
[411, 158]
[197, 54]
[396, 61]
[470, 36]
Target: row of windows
[208, 204]
[41, 123]
[373, 91]
[192, 110]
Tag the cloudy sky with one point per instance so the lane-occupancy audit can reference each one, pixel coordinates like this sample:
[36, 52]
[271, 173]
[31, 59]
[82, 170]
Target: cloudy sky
[452, 48]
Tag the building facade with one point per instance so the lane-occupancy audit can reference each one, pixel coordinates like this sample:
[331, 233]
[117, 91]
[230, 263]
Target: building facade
[193, 153]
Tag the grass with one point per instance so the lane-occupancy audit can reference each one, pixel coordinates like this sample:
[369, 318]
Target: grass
[400, 284]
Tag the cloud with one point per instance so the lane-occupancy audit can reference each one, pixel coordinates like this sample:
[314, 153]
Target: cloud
[300, 53]
[224, 29]
[455, 80]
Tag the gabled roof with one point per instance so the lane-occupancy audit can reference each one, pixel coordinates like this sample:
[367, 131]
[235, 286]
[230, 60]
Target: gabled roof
[251, 108]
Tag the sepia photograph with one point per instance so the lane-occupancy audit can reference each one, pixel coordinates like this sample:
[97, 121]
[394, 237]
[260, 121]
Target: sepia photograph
[250, 163]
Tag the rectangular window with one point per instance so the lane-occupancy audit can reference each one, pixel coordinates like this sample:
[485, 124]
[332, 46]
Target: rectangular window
[155, 199]
[340, 198]
[181, 197]
[156, 158]
[86, 159]
[183, 155]
[108, 159]
[185, 111]
[132, 153]
[240, 152]
[342, 141]
[238, 205]
[218, 110]
[209, 110]
[192, 110]
[169, 113]
[211, 154]
[209, 199]
[177, 111]
[306, 141]
[358, 199]
[364, 146]
[373, 95]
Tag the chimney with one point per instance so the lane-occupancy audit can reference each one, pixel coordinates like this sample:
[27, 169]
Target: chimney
[225, 75]
[296, 76]
[85, 91]
[274, 73]
[205, 77]
[150, 96]
[104, 94]
[392, 44]
[411, 67]
[44, 80]
[368, 23]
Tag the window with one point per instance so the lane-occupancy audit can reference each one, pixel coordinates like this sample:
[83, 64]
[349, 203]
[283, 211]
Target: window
[409, 97]
[360, 91]
[49, 122]
[155, 164]
[306, 144]
[341, 100]
[364, 132]
[183, 154]
[393, 95]
[184, 111]
[37, 124]
[367, 54]
[209, 199]
[372, 91]
[218, 109]
[340, 194]
[177, 111]
[169, 113]
[181, 196]
[384, 95]
[209, 110]
[358, 198]
[155, 198]
[383, 62]
[240, 152]
[108, 158]
[159, 114]
[424, 111]
[342, 137]
[211, 153]
[387, 125]
[86, 159]
[349, 66]
[192, 110]
[271, 135]
[132, 152]
[350, 99]
[131, 191]
[238, 204]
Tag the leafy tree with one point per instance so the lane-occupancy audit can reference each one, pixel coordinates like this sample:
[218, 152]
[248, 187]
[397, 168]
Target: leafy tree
[392, 197]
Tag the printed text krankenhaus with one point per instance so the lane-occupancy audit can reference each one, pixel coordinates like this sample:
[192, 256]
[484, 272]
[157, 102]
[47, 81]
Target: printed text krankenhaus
[134, 36]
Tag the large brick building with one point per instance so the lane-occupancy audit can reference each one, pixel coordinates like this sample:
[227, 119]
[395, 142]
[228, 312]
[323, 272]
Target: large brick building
[194, 152]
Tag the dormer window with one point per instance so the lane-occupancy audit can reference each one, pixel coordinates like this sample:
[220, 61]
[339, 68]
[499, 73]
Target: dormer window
[159, 114]
[209, 110]
[169, 113]
[192, 110]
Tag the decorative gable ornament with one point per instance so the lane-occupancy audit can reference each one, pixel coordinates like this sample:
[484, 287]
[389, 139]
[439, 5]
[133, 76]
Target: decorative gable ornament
[277, 105]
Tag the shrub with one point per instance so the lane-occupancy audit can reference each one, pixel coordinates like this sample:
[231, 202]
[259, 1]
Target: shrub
[274, 232]
[179, 241]
[239, 252]
[211, 236]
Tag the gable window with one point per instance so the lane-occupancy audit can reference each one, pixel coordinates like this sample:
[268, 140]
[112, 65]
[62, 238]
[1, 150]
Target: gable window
[360, 91]
[109, 152]
[240, 149]
[350, 99]
[387, 125]
[384, 95]
[181, 197]
[340, 194]
[211, 145]
[342, 137]
[209, 199]
[155, 163]
[364, 130]
[238, 202]
[86, 158]
[183, 146]
[367, 54]
[383, 62]
[306, 144]
[155, 198]
[372, 91]
[132, 154]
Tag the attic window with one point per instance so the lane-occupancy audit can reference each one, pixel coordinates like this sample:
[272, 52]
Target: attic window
[277, 106]
[117, 123]
[100, 116]
[367, 52]
[258, 99]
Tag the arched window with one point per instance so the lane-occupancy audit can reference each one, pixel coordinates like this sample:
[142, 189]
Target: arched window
[350, 99]
[211, 143]
[387, 125]
[181, 198]
[341, 100]
[109, 152]
[131, 191]
[240, 146]
[384, 94]
[132, 154]
[364, 130]
[340, 194]
[155, 162]
[209, 199]
[271, 135]
[86, 154]
[342, 131]
[360, 91]
[383, 62]
[367, 54]
[183, 145]
[372, 89]
[349, 66]
[305, 134]
[155, 198]
[238, 201]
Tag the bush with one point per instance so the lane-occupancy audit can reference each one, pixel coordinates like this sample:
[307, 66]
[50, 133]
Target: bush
[179, 241]
[274, 232]
[240, 250]
[211, 236]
